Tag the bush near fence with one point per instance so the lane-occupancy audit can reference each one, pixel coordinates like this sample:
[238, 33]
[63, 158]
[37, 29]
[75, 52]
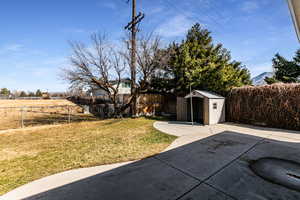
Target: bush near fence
[276, 105]
[147, 104]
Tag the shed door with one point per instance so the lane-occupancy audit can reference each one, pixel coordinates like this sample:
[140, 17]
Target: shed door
[197, 110]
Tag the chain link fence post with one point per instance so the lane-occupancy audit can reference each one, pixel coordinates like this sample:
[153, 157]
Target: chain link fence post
[69, 115]
[23, 112]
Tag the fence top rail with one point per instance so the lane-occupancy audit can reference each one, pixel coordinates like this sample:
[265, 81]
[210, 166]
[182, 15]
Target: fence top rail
[32, 98]
[22, 107]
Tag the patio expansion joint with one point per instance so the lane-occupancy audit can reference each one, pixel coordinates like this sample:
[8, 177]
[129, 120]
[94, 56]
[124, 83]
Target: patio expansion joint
[215, 173]
[193, 177]
[232, 161]
[218, 190]
[185, 173]
[228, 164]
[182, 171]
[221, 191]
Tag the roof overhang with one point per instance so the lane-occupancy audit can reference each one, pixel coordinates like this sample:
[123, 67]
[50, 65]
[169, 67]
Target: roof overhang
[203, 94]
[294, 6]
[194, 94]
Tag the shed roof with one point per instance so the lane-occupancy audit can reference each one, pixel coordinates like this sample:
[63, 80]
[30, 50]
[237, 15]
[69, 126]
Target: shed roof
[204, 94]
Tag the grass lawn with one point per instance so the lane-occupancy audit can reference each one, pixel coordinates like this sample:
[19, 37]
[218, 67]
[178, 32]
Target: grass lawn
[32, 154]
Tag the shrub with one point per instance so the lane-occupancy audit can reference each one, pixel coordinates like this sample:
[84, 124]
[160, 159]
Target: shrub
[276, 105]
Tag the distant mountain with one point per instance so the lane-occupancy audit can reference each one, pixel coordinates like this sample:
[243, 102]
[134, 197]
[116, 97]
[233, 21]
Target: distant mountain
[260, 79]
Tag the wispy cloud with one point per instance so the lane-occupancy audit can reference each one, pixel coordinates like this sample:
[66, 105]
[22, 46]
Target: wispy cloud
[109, 4]
[25, 70]
[77, 30]
[14, 47]
[249, 6]
[155, 10]
[176, 26]
[10, 48]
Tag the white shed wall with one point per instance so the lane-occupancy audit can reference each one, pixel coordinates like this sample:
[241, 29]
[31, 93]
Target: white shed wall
[216, 115]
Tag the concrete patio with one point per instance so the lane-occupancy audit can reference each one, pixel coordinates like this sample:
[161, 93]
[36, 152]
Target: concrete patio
[205, 162]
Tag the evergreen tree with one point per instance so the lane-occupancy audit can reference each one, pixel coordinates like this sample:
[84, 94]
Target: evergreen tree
[4, 92]
[162, 81]
[203, 65]
[271, 80]
[23, 94]
[38, 93]
[31, 94]
[285, 71]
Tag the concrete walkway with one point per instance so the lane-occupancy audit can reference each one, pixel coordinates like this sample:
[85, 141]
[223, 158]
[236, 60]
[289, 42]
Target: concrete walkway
[205, 162]
[188, 133]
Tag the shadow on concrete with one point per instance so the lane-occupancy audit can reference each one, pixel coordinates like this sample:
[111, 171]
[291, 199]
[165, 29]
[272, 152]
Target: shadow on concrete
[216, 168]
[184, 123]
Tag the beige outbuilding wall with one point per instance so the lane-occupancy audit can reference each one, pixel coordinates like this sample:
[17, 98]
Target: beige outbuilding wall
[213, 107]
[206, 120]
[216, 111]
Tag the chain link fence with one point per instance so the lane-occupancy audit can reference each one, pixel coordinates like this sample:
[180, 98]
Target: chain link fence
[28, 116]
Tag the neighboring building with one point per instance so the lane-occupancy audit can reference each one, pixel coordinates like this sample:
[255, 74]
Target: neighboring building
[260, 79]
[294, 6]
[124, 88]
[45, 95]
[207, 108]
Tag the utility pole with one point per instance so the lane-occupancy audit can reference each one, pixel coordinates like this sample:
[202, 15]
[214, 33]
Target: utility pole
[132, 26]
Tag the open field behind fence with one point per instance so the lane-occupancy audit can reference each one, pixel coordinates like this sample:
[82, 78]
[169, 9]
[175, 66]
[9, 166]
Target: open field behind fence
[28, 113]
[38, 102]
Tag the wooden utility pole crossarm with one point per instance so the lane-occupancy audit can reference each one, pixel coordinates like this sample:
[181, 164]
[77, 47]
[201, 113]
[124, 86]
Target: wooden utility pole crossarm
[132, 26]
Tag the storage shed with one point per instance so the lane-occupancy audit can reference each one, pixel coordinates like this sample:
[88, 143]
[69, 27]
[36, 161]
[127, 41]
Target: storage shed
[207, 107]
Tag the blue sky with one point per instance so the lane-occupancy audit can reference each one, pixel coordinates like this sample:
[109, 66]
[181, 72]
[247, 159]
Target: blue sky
[34, 33]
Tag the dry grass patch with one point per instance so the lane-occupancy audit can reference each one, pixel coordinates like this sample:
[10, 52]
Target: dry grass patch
[40, 102]
[31, 154]
[39, 112]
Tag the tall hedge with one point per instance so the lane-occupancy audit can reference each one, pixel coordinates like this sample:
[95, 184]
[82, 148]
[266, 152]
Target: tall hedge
[276, 105]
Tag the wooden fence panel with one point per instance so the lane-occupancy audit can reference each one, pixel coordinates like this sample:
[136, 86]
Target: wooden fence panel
[181, 109]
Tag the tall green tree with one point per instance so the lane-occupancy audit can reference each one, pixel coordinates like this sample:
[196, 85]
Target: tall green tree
[23, 94]
[5, 92]
[285, 71]
[31, 94]
[199, 63]
[38, 93]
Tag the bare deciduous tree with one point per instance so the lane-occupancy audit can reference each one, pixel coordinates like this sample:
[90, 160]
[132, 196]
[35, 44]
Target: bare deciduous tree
[150, 58]
[100, 66]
